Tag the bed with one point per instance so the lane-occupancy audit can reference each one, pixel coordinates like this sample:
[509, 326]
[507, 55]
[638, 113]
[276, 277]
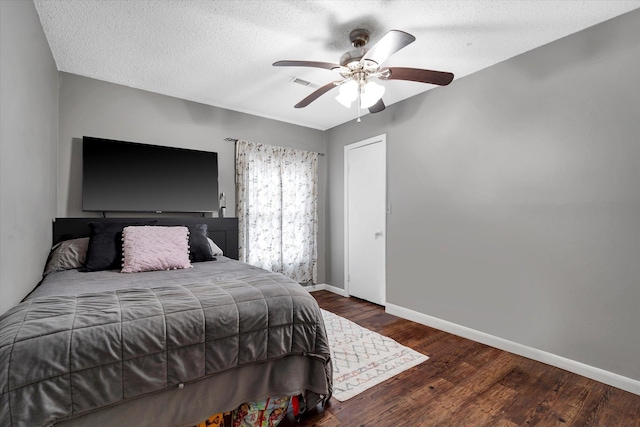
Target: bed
[158, 348]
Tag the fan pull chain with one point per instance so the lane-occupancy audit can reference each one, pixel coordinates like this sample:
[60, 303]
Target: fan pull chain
[359, 93]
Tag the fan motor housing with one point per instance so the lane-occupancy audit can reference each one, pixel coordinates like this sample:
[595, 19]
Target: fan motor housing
[352, 56]
[359, 38]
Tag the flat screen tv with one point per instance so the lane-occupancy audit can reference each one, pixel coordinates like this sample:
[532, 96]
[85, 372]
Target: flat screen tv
[132, 177]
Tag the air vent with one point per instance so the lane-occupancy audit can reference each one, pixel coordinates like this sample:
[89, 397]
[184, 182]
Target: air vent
[301, 82]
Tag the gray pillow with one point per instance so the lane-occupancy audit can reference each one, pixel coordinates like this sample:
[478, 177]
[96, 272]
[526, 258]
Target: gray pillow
[67, 255]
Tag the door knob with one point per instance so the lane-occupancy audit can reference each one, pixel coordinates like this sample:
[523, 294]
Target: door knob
[378, 234]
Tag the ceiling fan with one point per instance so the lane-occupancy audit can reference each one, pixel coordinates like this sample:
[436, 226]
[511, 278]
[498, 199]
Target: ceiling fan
[358, 67]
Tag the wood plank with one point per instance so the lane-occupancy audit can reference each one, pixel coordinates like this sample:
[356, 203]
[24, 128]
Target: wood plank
[620, 410]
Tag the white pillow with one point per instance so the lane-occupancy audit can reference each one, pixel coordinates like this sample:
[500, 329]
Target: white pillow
[214, 248]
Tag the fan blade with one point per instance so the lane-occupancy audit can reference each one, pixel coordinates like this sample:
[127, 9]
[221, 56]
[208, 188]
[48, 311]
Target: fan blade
[377, 107]
[392, 42]
[317, 94]
[419, 75]
[314, 64]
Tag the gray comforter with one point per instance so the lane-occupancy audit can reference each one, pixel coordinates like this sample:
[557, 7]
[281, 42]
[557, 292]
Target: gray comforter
[68, 350]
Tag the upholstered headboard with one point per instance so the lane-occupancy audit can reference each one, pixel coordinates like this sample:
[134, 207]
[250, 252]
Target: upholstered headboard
[223, 231]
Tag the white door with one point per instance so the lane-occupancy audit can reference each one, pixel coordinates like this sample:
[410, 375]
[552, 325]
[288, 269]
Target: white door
[365, 219]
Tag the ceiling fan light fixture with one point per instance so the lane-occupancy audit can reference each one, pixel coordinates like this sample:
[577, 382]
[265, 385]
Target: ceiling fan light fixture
[372, 92]
[357, 67]
[347, 93]
[344, 101]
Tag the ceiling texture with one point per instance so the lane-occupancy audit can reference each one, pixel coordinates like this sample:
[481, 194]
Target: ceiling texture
[221, 52]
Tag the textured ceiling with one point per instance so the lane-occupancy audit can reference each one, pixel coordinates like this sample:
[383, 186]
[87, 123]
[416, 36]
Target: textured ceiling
[220, 52]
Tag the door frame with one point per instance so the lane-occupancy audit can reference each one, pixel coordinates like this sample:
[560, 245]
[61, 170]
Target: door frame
[380, 139]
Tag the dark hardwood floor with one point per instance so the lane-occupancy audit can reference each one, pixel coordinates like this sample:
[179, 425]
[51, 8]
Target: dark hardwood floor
[465, 383]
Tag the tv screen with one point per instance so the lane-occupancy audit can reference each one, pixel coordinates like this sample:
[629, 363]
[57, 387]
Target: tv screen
[131, 177]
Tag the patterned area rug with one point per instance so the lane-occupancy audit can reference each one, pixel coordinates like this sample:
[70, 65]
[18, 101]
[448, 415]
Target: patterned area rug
[363, 358]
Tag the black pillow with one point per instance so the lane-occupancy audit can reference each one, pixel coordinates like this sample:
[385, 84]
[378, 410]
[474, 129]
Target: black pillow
[199, 248]
[105, 245]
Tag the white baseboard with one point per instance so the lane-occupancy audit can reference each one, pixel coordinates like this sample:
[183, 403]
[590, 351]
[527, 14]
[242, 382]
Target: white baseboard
[325, 287]
[610, 378]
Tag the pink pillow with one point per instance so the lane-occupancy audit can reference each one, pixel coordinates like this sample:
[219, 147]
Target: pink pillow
[150, 248]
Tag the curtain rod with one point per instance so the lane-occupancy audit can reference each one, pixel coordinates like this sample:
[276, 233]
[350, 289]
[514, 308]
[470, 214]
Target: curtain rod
[234, 140]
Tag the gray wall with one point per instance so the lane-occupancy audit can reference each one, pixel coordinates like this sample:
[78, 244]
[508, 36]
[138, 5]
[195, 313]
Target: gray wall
[96, 108]
[28, 144]
[515, 197]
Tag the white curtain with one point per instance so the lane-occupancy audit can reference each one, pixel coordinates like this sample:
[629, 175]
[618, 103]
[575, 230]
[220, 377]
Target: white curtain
[277, 209]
